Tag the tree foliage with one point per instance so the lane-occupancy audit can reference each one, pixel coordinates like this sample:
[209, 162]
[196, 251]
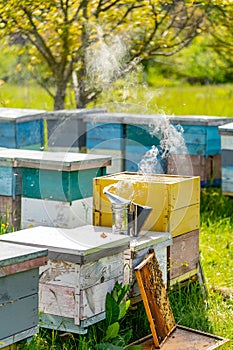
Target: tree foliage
[220, 17]
[96, 41]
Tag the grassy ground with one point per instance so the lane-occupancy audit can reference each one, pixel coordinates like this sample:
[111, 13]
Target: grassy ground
[183, 100]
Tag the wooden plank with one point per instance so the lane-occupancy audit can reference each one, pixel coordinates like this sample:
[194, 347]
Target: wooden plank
[183, 220]
[213, 141]
[227, 142]
[183, 255]
[22, 266]
[189, 165]
[10, 181]
[92, 300]
[10, 210]
[13, 254]
[46, 184]
[18, 316]
[155, 299]
[61, 323]
[58, 300]
[184, 277]
[7, 135]
[98, 272]
[39, 212]
[208, 168]
[141, 134]
[29, 133]
[227, 157]
[227, 180]
[59, 185]
[13, 339]
[65, 134]
[85, 275]
[19, 285]
[105, 136]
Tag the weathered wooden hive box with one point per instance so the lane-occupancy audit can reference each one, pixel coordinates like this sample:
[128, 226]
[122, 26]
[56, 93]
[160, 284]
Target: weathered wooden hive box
[84, 264]
[175, 202]
[66, 129]
[139, 247]
[19, 285]
[56, 186]
[203, 153]
[226, 134]
[183, 257]
[21, 128]
[10, 191]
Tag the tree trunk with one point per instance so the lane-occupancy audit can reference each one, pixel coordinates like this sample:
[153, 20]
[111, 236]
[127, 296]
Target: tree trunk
[59, 98]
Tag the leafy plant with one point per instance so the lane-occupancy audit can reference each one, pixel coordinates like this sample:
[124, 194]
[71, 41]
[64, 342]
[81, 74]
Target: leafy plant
[116, 309]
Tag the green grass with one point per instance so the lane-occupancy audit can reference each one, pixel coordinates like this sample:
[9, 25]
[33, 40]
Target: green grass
[179, 100]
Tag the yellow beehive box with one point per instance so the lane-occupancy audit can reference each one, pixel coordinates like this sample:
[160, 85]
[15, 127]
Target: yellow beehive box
[175, 200]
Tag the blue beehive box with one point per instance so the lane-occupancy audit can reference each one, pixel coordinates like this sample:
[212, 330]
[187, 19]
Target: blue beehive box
[126, 137]
[21, 128]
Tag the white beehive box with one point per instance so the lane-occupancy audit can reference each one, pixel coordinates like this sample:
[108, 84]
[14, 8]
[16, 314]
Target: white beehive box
[84, 264]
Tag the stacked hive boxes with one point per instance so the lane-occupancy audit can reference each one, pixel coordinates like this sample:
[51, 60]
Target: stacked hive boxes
[84, 264]
[175, 202]
[10, 191]
[56, 187]
[21, 128]
[226, 133]
[202, 155]
[19, 282]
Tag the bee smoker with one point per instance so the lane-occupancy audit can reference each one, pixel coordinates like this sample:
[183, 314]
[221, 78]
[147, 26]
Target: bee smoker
[127, 217]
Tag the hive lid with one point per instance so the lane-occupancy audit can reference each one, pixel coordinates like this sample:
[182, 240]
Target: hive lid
[147, 178]
[15, 115]
[66, 161]
[198, 120]
[11, 253]
[79, 245]
[148, 238]
[226, 129]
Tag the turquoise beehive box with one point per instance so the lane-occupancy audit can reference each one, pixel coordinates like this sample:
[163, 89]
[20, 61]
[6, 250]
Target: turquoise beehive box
[55, 188]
